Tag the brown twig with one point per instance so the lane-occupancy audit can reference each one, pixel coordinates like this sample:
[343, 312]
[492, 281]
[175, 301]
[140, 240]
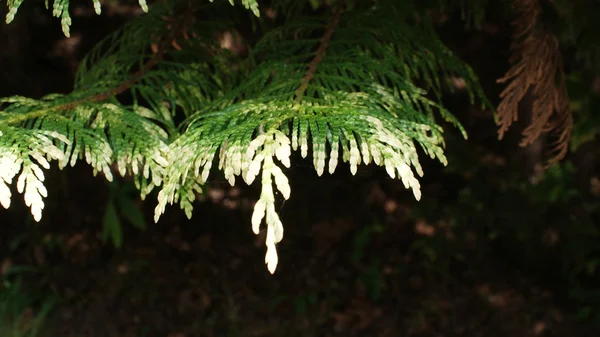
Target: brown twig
[323, 44]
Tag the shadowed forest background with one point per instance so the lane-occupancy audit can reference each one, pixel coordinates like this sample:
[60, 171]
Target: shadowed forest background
[496, 247]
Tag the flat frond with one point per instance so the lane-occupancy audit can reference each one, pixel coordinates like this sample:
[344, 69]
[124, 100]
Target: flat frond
[359, 86]
[339, 87]
[99, 133]
[157, 63]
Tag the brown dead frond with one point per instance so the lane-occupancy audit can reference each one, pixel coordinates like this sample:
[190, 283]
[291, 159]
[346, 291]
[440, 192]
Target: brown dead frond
[537, 65]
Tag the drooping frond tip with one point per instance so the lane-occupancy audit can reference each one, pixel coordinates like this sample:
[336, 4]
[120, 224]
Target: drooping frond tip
[251, 5]
[60, 9]
[537, 66]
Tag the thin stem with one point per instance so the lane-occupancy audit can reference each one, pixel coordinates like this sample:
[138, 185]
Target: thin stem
[324, 43]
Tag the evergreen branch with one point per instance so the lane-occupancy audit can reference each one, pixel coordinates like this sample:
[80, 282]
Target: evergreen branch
[82, 125]
[99, 132]
[348, 94]
[340, 90]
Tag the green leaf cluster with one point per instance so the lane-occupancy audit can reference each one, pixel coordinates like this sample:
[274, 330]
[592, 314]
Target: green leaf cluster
[358, 84]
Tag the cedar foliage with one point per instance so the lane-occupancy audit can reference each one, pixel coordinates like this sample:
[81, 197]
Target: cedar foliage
[357, 81]
[537, 66]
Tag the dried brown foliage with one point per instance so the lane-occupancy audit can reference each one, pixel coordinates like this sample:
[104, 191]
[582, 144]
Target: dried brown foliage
[537, 65]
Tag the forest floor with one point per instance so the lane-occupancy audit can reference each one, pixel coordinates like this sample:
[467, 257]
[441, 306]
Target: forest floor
[353, 262]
